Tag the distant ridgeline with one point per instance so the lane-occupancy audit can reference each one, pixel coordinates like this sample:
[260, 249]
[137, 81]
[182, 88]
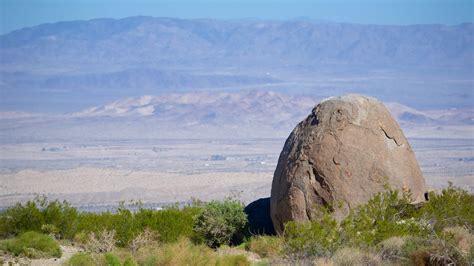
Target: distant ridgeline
[67, 66]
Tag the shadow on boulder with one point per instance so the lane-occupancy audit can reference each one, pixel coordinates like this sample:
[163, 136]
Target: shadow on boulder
[258, 213]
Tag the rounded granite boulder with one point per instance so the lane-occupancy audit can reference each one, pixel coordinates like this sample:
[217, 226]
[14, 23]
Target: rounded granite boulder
[345, 151]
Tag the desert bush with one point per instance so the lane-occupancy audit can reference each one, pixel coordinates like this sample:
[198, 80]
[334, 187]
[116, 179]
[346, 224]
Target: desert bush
[81, 259]
[112, 260]
[461, 236]
[122, 222]
[80, 239]
[100, 242]
[234, 260]
[312, 239]
[60, 216]
[453, 206]
[355, 256]
[32, 245]
[385, 215]
[125, 225]
[151, 261]
[435, 250]
[220, 221]
[129, 262]
[145, 238]
[184, 252]
[170, 224]
[34, 215]
[391, 248]
[266, 246]
[51, 230]
[463, 241]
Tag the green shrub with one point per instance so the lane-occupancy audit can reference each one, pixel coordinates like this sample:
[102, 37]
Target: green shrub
[32, 245]
[169, 224]
[50, 229]
[21, 218]
[112, 260]
[151, 261]
[385, 215]
[220, 222]
[39, 215]
[129, 262]
[123, 223]
[315, 238]
[266, 246]
[454, 206]
[80, 259]
[233, 260]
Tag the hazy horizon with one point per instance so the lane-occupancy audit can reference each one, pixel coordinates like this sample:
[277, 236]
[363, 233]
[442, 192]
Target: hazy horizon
[16, 14]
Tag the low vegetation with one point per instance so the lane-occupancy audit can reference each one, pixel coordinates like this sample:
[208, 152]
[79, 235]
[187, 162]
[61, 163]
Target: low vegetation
[386, 230]
[180, 252]
[219, 223]
[32, 245]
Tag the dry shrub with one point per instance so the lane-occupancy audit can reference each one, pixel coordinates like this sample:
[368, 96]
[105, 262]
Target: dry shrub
[355, 256]
[392, 248]
[420, 257]
[234, 260]
[101, 243]
[323, 261]
[236, 252]
[184, 252]
[461, 236]
[434, 251]
[145, 238]
[266, 246]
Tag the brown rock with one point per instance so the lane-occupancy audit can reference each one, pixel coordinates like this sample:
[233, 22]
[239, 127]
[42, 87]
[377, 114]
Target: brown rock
[345, 151]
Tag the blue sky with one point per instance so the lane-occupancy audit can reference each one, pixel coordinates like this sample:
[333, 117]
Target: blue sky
[17, 14]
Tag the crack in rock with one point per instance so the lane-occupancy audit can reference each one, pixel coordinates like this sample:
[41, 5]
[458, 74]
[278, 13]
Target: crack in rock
[390, 137]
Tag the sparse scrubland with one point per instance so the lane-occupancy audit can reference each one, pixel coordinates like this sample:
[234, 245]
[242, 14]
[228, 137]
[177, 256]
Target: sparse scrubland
[386, 230]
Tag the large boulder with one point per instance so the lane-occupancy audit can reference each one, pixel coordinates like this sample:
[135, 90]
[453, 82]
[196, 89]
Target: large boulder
[345, 151]
[258, 214]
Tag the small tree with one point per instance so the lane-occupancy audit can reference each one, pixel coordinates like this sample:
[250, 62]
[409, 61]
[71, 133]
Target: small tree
[220, 222]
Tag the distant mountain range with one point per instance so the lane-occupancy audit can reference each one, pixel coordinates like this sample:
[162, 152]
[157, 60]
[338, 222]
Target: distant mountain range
[251, 114]
[155, 41]
[253, 106]
[68, 66]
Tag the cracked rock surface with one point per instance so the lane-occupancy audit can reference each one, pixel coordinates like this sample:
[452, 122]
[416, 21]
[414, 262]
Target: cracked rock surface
[346, 150]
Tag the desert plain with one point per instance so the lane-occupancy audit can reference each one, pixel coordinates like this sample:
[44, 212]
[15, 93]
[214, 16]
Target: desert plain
[98, 175]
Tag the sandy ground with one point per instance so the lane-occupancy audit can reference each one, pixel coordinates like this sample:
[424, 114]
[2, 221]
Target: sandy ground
[68, 251]
[95, 175]
[91, 186]
[97, 186]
